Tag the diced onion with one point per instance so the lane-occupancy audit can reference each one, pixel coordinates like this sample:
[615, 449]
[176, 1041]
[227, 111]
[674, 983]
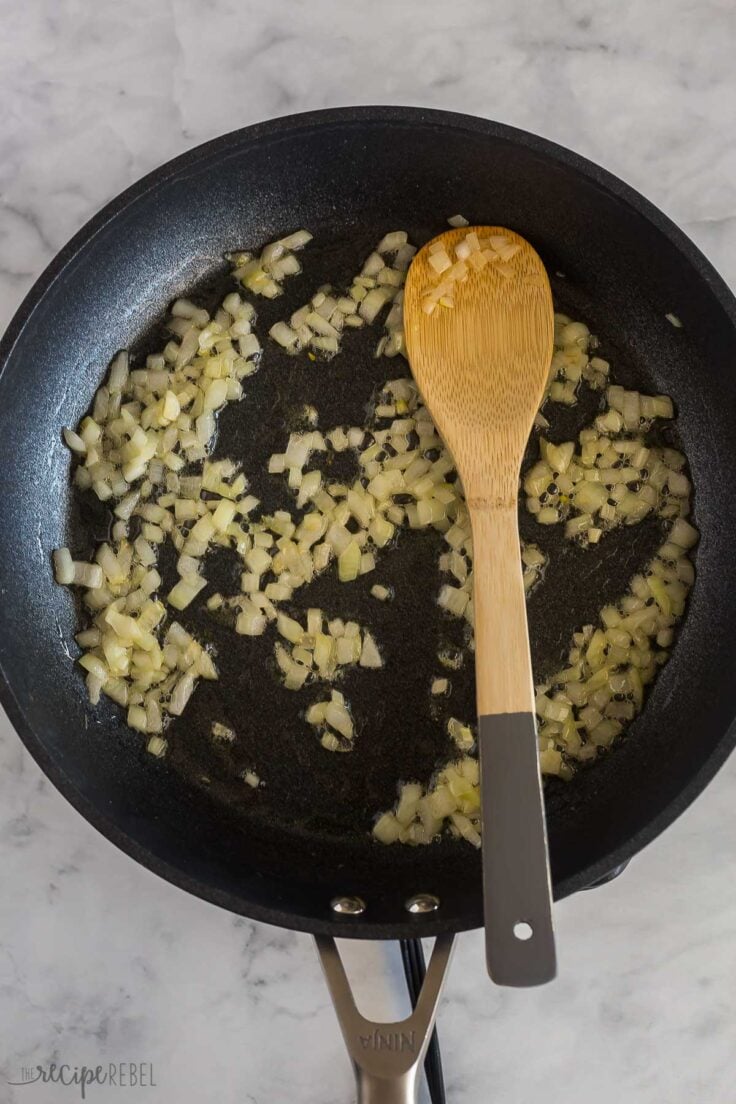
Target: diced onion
[148, 423]
[63, 567]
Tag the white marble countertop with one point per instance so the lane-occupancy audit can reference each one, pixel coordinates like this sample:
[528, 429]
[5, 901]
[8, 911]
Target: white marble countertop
[100, 961]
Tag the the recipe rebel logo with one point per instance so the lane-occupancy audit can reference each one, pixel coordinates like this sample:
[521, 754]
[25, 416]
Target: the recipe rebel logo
[120, 1075]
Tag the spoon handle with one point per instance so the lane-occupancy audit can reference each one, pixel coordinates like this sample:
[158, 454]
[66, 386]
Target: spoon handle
[517, 896]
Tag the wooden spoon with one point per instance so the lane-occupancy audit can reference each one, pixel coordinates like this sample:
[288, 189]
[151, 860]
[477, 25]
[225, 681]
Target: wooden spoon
[482, 367]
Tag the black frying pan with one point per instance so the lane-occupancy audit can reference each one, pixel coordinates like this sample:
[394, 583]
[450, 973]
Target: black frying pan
[283, 854]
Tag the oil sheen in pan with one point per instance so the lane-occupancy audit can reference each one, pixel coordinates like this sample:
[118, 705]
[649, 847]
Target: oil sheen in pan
[398, 735]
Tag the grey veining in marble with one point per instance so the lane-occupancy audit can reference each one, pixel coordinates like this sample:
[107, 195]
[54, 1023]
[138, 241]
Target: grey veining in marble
[99, 960]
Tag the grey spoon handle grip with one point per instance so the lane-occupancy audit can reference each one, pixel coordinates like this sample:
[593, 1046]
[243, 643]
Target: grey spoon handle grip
[517, 897]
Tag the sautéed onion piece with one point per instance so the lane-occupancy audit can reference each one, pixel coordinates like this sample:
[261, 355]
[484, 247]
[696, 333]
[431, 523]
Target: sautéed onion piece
[264, 274]
[333, 721]
[144, 449]
[470, 253]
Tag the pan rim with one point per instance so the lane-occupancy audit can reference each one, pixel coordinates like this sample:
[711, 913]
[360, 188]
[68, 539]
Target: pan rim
[226, 145]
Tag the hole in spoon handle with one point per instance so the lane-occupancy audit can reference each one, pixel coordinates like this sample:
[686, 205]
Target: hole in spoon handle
[517, 895]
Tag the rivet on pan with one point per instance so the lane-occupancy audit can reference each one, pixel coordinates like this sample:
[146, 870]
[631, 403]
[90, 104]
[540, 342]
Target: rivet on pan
[347, 906]
[422, 902]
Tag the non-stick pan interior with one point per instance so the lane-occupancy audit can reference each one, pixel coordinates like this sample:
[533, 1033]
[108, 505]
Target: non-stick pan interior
[281, 852]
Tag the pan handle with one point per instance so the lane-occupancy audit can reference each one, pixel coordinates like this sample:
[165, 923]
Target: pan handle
[386, 1057]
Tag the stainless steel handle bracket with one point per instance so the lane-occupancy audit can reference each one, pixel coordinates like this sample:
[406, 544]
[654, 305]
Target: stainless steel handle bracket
[386, 1057]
